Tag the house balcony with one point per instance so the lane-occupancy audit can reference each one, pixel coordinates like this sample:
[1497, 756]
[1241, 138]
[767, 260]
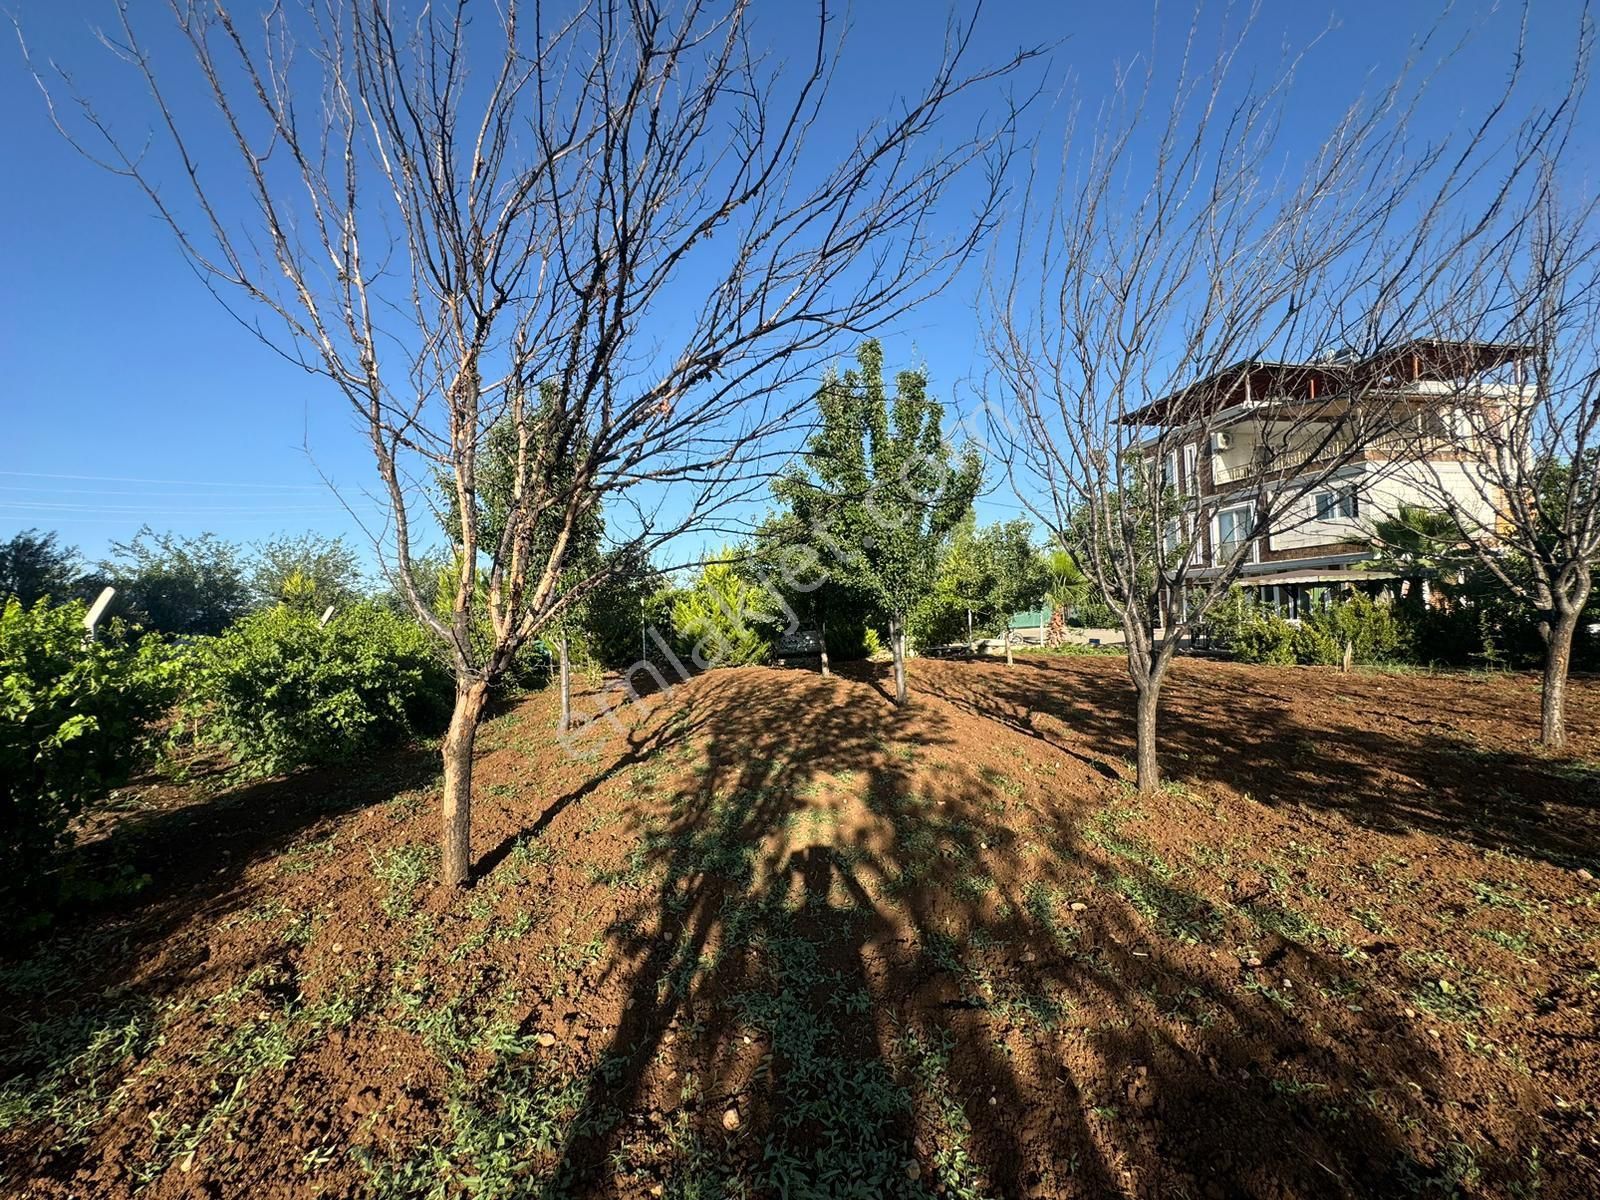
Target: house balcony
[1247, 464]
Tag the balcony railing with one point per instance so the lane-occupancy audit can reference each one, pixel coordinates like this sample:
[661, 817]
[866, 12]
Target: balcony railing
[1288, 463]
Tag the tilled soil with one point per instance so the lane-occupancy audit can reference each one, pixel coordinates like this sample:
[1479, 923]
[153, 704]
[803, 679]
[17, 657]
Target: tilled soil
[777, 937]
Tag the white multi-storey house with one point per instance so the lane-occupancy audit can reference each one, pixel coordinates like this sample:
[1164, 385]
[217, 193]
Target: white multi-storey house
[1250, 430]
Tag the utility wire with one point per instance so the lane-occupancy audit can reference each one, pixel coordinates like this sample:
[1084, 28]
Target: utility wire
[48, 491]
[140, 508]
[293, 487]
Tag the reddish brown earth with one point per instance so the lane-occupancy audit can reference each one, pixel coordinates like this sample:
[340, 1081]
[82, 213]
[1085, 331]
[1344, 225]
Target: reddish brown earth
[785, 939]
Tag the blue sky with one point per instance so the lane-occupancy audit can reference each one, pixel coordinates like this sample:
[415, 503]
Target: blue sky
[131, 396]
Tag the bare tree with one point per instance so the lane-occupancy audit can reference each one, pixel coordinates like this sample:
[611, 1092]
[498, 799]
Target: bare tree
[1522, 485]
[606, 227]
[1203, 328]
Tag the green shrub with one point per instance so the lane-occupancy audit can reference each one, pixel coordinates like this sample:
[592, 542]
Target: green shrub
[1312, 645]
[1231, 613]
[1094, 613]
[1070, 649]
[1363, 622]
[1259, 635]
[872, 646]
[279, 691]
[75, 719]
[1441, 637]
[1264, 638]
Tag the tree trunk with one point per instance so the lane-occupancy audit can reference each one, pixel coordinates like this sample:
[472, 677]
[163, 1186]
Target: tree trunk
[822, 635]
[1557, 659]
[969, 631]
[566, 684]
[455, 840]
[897, 641]
[1009, 663]
[1148, 771]
[1056, 634]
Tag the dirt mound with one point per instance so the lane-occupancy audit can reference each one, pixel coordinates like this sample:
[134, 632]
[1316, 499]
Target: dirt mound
[783, 937]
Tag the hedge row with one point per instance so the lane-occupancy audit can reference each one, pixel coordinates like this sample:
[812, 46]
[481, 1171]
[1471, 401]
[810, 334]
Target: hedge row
[277, 690]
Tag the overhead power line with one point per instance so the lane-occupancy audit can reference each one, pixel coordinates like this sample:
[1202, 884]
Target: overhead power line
[219, 521]
[195, 510]
[219, 483]
[46, 491]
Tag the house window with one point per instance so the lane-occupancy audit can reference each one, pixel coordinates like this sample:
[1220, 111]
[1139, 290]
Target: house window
[1169, 469]
[1341, 502]
[1191, 457]
[1233, 527]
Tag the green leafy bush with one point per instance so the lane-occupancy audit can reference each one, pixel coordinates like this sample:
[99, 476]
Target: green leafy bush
[1364, 623]
[1263, 638]
[1483, 626]
[179, 586]
[1313, 645]
[1078, 649]
[75, 719]
[1231, 613]
[1094, 613]
[1482, 635]
[871, 644]
[280, 691]
[1258, 635]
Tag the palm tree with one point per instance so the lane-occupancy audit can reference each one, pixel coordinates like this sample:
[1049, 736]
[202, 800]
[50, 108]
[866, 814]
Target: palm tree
[1067, 587]
[1418, 544]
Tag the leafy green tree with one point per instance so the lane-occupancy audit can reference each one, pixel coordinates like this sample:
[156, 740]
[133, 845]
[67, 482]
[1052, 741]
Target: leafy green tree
[33, 565]
[496, 473]
[724, 618]
[960, 591]
[615, 613]
[177, 585]
[1501, 627]
[792, 553]
[824, 602]
[984, 577]
[308, 571]
[75, 717]
[427, 566]
[879, 486]
[1014, 574]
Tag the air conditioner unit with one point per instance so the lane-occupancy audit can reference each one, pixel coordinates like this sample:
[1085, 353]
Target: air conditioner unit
[1221, 440]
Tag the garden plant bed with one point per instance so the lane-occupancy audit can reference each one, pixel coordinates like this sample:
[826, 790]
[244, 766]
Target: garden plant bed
[784, 938]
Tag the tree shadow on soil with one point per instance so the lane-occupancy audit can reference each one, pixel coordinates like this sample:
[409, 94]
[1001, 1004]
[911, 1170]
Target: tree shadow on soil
[640, 747]
[862, 939]
[189, 859]
[66, 984]
[900, 999]
[1250, 731]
